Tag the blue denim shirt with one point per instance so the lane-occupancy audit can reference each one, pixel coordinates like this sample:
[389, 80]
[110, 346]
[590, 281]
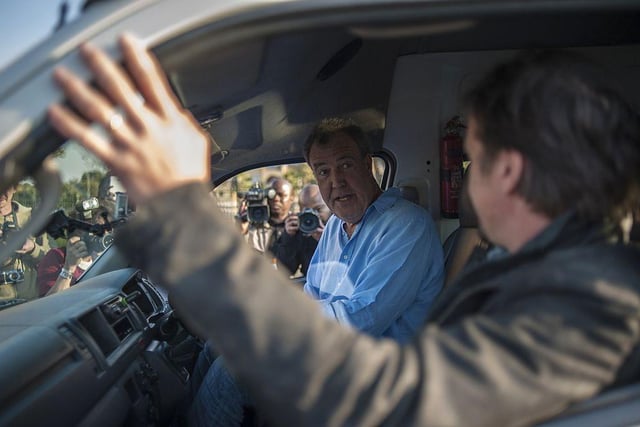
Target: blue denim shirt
[384, 278]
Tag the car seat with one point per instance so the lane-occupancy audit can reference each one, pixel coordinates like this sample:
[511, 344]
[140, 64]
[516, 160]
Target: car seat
[465, 244]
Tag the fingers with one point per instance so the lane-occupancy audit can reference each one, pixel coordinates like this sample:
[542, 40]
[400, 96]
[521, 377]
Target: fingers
[27, 247]
[291, 225]
[69, 124]
[79, 249]
[292, 219]
[114, 82]
[148, 75]
[76, 251]
[156, 146]
[93, 105]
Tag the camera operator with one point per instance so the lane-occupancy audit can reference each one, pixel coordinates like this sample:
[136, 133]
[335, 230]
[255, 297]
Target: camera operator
[265, 235]
[61, 267]
[108, 189]
[302, 231]
[18, 273]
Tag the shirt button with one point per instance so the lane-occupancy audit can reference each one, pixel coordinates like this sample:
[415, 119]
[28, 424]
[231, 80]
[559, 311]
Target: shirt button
[345, 257]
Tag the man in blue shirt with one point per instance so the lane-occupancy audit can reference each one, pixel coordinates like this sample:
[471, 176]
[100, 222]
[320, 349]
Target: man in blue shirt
[377, 268]
[378, 265]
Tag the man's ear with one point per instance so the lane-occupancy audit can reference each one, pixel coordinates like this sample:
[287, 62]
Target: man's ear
[509, 168]
[369, 162]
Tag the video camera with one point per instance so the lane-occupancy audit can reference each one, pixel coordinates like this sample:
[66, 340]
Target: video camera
[309, 219]
[87, 206]
[96, 236]
[87, 209]
[97, 244]
[257, 206]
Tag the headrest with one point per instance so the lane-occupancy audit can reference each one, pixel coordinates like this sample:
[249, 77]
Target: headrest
[410, 193]
[415, 190]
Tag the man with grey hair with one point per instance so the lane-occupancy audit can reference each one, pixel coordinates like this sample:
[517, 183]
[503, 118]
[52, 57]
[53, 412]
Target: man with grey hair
[377, 268]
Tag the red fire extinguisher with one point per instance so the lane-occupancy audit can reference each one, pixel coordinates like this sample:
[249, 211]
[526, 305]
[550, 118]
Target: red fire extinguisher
[451, 167]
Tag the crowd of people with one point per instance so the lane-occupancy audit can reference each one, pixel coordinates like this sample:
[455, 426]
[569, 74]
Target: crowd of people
[44, 265]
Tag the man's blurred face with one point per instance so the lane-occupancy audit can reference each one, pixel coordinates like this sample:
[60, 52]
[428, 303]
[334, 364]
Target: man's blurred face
[312, 199]
[6, 197]
[280, 205]
[344, 177]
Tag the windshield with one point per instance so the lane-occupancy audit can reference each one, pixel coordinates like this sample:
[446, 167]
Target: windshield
[79, 231]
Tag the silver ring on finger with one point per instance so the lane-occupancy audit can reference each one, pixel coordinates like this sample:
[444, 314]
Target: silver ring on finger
[116, 120]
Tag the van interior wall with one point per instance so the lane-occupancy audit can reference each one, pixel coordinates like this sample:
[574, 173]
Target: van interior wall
[425, 94]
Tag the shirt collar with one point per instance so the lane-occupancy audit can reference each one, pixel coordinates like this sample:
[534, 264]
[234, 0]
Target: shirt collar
[549, 234]
[384, 201]
[543, 239]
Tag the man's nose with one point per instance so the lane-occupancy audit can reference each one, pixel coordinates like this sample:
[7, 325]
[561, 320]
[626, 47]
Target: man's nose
[337, 177]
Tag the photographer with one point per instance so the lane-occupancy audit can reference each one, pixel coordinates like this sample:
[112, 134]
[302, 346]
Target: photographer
[61, 267]
[18, 274]
[264, 235]
[108, 189]
[302, 231]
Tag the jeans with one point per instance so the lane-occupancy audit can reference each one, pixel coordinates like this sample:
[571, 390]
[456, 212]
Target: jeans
[218, 399]
[205, 359]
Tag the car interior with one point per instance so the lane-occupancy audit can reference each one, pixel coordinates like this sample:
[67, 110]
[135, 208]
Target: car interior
[110, 350]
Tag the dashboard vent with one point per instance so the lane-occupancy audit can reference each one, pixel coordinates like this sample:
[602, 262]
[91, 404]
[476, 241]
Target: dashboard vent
[145, 295]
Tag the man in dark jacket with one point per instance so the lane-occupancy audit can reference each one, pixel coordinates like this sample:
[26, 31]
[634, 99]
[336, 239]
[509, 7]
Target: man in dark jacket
[295, 248]
[516, 340]
[266, 236]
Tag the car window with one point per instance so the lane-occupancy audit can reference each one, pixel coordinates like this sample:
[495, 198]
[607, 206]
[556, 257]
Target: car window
[85, 212]
[231, 193]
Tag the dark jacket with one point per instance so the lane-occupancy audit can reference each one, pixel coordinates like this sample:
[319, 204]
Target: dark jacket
[513, 342]
[295, 251]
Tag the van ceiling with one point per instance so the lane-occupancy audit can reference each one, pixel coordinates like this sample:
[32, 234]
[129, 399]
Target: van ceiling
[260, 95]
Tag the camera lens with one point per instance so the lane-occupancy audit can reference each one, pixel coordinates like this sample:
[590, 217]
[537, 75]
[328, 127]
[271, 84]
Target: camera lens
[258, 214]
[309, 221]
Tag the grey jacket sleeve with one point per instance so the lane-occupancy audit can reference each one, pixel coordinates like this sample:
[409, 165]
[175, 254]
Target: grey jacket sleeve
[511, 368]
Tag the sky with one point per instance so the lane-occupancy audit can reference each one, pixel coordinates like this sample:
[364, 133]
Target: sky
[24, 23]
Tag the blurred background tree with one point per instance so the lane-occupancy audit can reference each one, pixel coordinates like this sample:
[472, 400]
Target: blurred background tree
[72, 191]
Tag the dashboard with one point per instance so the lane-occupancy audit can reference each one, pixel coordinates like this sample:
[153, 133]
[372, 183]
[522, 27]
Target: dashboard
[107, 351]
